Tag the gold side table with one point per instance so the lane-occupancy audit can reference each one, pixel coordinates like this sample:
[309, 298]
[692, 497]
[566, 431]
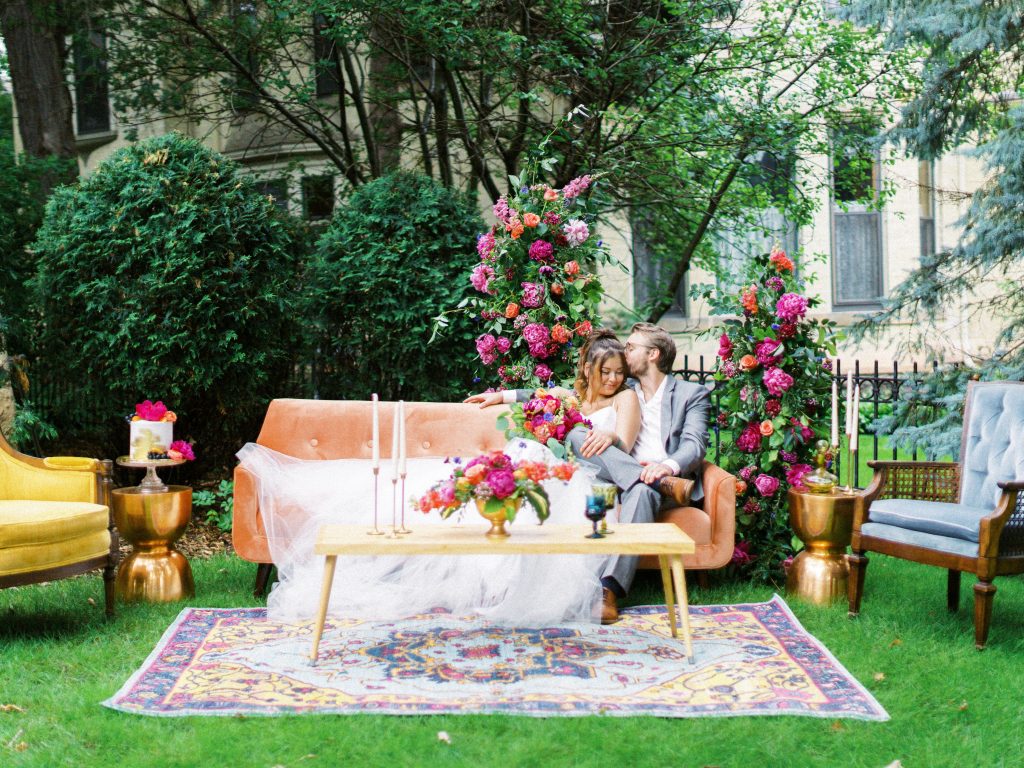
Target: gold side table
[152, 521]
[824, 523]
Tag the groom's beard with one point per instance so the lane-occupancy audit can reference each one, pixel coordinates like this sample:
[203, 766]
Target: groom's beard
[639, 369]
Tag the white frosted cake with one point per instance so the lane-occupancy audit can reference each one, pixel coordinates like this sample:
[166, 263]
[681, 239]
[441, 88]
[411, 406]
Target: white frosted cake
[150, 437]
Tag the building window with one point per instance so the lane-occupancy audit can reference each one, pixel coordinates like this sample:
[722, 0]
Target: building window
[92, 103]
[277, 189]
[926, 201]
[326, 65]
[856, 221]
[318, 197]
[653, 268]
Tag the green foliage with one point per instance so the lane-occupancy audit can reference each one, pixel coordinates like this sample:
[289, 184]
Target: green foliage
[393, 254]
[773, 385]
[166, 275]
[29, 429]
[216, 506]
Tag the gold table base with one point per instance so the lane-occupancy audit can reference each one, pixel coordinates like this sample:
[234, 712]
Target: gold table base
[824, 523]
[155, 571]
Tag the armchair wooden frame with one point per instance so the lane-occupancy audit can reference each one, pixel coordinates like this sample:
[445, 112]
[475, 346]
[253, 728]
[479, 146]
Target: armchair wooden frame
[1001, 535]
[103, 471]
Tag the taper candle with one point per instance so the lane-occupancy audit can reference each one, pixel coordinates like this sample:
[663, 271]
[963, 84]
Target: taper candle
[394, 441]
[855, 419]
[401, 437]
[835, 414]
[849, 401]
[376, 432]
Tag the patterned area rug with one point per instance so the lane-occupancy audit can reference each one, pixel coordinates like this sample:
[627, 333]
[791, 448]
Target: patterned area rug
[752, 659]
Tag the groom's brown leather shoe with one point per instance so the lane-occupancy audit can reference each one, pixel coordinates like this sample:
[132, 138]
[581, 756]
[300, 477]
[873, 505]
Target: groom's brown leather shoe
[609, 607]
[676, 488]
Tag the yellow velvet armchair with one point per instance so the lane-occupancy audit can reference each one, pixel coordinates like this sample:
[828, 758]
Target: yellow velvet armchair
[55, 519]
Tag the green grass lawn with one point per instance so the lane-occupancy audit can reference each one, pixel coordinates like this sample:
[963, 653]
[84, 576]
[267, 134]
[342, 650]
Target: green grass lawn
[950, 704]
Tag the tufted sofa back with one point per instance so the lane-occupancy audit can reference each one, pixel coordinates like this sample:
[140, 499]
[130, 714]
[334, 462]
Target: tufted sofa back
[992, 449]
[341, 429]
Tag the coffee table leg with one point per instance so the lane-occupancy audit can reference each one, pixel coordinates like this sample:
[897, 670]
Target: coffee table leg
[325, 598]
[684, 606]
[670, 600]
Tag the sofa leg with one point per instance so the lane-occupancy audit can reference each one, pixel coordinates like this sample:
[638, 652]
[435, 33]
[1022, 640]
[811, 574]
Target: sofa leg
[703, 580]
[109, 578]
[984, 591]
[953, 590]
[262, 578]
[855, 587]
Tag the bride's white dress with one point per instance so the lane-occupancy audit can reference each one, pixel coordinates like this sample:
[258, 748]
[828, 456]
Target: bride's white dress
[297, 497]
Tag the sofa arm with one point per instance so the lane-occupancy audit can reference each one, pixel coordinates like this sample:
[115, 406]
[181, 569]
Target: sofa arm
[720, 507]
[248, 534]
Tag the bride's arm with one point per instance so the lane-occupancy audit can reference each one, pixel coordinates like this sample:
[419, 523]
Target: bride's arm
[627, 419]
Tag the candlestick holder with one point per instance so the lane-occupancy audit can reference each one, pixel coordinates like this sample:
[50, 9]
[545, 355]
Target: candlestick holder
[402, 530]
[376, 531]
[394, 534]
[851, 457]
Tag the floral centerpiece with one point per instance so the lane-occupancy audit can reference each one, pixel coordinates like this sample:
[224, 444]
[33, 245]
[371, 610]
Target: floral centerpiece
[497, 485]
[152, 439]
[538, 297]
[545, 418]
[773, 381]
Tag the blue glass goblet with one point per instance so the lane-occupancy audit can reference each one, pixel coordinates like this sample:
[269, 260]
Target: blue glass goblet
[595, 511]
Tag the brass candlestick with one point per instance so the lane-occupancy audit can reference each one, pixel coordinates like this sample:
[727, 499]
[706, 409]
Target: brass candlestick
[402, 529]
[394, 515]
[376, 531]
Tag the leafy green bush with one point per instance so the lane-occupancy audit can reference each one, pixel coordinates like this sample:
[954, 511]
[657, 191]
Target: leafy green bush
[216, 506]
[393, 257]
[167, 275]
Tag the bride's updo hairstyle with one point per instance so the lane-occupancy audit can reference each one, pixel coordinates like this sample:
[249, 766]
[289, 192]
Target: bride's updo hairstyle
[600, 346]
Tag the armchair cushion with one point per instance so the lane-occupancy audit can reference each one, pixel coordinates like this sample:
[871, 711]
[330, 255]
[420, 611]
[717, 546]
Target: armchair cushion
[920, 539]
[993, 442]
[956, 521]
[46, 522]
[47, 556]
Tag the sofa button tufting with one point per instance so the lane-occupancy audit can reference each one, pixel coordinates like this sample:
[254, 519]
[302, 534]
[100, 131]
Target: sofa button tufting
[426, 443]
[314, 442]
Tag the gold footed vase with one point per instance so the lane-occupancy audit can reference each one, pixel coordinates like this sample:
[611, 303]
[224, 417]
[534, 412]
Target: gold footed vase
[498, 518]
[824, 523]
[155, 571]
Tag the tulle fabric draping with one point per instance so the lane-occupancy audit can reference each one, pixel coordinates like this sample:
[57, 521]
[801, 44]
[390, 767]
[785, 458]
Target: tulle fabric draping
[297, 496]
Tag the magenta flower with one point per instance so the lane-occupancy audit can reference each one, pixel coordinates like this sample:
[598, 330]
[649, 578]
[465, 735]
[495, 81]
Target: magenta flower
[502, 483]
[766, 484]
[725, 347]
[772, 408]
[795, 475]
[538, 338]
[504, 344]
[748, 472]
[576, 232]
[767, 352]
[181, 449]
[502, 212]
[485, 245]
[741, 553]
[749, 440]
[533, 295]
[542, 250]
[777, 381]
[552, 219]
[149, 411]
[576, 187]
[542, 372]
[791, 306]
[481, 278]
[775, 283]
[486, 347]
[729, 369]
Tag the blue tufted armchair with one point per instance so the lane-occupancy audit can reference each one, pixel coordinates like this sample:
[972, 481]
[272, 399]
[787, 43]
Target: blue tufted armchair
[963, 517]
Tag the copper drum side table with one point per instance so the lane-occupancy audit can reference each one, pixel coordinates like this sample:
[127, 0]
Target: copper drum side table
[152, 516]
[824, 523]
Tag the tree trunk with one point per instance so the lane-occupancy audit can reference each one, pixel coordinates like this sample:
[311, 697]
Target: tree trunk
[36, 54]
[384, 97]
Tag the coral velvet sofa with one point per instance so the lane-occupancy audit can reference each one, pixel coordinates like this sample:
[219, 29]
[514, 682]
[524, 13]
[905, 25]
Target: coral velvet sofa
[337, 429]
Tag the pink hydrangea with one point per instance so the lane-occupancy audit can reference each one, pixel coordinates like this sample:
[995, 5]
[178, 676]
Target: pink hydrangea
[576, 187]
[481, 278]
[485, 245]
[542, 250]
[777, 381]
[749, 440]
[576, 232]
[767, 352]
[533, 295]
[504, 344]
[542, 372]
[766, 484]
[791, 306]
[772, 408]
[725, 347]
[538, 337]
[486, 347]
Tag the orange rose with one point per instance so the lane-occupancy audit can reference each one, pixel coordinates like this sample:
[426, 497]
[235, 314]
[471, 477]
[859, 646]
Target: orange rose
[748, 363]
[516, 231]
[531, 219]
[511, 310]
[780, 260]
[560, 333]
[543, 432]
[572, 268]
[476, 473]
[557, 289]
[170, 416]
[767, 428]
[741, 487]
[550, 194]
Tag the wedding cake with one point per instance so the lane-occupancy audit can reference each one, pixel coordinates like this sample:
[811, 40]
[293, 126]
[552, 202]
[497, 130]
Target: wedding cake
[152, 431]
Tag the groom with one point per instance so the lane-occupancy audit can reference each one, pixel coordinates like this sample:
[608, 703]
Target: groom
[667, 456]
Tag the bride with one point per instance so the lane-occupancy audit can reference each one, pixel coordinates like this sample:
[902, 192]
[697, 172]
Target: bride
[296, 497]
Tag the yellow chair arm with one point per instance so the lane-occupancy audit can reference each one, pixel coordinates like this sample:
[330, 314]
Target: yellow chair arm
[80, 463]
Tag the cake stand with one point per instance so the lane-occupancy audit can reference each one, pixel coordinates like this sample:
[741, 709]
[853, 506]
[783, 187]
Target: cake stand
[151, 483]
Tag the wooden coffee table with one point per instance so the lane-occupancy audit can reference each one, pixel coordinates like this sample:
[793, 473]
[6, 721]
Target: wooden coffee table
[666, 540]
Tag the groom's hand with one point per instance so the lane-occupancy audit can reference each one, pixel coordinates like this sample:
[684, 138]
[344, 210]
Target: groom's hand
[652, 473]
[596, 442]
[485, 399]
